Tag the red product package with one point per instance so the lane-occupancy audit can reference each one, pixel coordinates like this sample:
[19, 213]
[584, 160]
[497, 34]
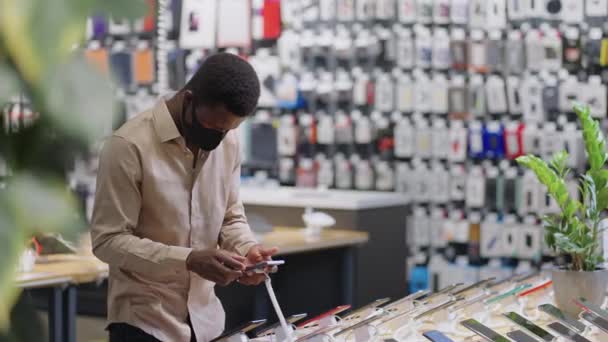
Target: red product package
[272, 19]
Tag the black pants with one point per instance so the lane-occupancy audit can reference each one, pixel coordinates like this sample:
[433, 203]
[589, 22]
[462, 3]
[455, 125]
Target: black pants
[123, 332]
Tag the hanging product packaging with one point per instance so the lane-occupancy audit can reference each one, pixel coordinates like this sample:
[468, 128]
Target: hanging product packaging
[364, 10]
[478, 52]
[477, 96]
[424, 47]
[344, 129]
[530, 242]
[534, 50]
[121, 64]
[457, 141]
[496, 95]
[234, 29]
[514, 139]
[406, 11]
[570, 91]
[306, 175]
[343, 45]
[424, 11]
[385, 9]
[516, 10]
[440, 92]
[345, 10]
[440, 139]
[550, 140]
[493, 140]
[596, 11]
[343, 87]
[437, 219]
[287, 135]
[388, 43]
[440, 187]
[553, 10]
[325, 129]
[441, 12]
[474, 238]
[458, 98]
[530, 191]
[364, 175]
[572, 142]
[363, 128]
[268, 68]
[344, 169]
[406, 54]
[552, 44]
[476, 140]
[514, 95]
[595, 96]
[404, 138]
[289, 50]
[405, 93]
[423, 139]
[551, 96]
[510, 190]
[360, 87]
[491, 237]
[475, 188]
[287, 171]
[459, 12]
[514, 53]
[423, 92]
[325, 177]
[384, 93]
[496, 52]
[573, 11]
[536, 9]
[532, 99]
[459, 50]
[531, 139]
[593, 51]
[458, 180]
[422, 186]
[510, 237]
[287, 91]
[385, 176]
[420, 226]
[496, 14]
[441, 49]
[327, 10]
[404, 179]
[477, 13]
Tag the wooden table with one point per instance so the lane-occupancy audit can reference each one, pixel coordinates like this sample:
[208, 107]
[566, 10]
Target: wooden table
[294, 240]
[57, 276]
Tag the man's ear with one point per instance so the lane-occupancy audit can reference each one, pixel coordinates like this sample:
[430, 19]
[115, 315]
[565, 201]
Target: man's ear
[188, 95]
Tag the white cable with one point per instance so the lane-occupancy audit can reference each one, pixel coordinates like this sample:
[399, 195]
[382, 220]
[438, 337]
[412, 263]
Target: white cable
[277, 309]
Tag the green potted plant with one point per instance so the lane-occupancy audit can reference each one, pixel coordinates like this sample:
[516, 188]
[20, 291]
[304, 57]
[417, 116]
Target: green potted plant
[575, 231]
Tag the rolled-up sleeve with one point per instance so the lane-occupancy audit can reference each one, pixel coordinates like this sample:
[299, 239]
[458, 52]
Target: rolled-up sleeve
[235, 234]
[116, 213]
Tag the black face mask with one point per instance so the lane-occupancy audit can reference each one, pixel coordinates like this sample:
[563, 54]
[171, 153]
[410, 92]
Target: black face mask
[206, 139]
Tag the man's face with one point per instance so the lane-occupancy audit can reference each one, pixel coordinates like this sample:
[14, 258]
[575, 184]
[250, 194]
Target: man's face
[217, 118]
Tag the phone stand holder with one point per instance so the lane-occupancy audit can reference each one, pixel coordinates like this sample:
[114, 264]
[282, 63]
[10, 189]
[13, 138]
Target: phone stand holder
[365, 333]
[328, 321]
[279, 333]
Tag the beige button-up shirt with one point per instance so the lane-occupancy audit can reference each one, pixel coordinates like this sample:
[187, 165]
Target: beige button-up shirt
[151, 209]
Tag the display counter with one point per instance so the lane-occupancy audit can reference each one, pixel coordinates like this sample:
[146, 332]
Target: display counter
[380, 214]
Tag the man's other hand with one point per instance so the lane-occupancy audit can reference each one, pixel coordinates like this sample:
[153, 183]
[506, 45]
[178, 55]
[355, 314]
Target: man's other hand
[218, 266]
[256, 255]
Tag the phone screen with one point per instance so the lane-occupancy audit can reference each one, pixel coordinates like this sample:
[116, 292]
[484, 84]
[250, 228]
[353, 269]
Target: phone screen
[242, 329]
[529, 326]
[562, 317]
[436, 336]
[566, 332]
[587, 306]
[483, 331]
[520, 336]
[596, 320]
[331, 312]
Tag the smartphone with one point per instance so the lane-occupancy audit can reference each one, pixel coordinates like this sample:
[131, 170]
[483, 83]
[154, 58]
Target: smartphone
[361, 324]
[438, 308]
[436, 336]
[290, 320]
[567, 332]
[501, 282]
[357, 312]
[483, 331]
[520, 336]
[329, 313]
[520, 278]
[563, 317]
[264, 264]
[445, 290]
[590, 307]
[474, 286]
[508, 294]
[529, 326]
[474, 301]
[596, 320]
[414, 296]
[245, 328]
[316, 333]
[536, 289]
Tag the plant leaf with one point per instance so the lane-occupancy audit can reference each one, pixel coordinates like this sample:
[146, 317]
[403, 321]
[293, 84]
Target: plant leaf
[595, 143]
[12, 243]
[602, 199]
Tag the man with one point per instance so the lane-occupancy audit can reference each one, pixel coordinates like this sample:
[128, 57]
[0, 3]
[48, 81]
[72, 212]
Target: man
[167, 197]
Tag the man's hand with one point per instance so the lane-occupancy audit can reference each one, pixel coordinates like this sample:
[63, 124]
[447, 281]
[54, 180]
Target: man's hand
[255, 255]
[218, 266]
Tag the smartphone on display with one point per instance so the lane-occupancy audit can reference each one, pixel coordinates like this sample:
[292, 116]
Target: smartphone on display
[520, 336]
[483, 331]
[567, 332]
[436, 336]
[264, 264]
[329, 313]
[245, 328]
[290, 320]
[590, 307]
[412, 297]
[360, 324]
[536, 289]
[563, 317]
[529, 326]
[372, 305]
[596, 320]
[474, 286]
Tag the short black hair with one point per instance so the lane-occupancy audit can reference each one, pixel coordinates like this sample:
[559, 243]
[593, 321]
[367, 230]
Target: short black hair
[226, 79]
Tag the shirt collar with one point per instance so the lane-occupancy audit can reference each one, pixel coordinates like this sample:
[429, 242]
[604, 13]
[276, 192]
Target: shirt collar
[163, 122]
